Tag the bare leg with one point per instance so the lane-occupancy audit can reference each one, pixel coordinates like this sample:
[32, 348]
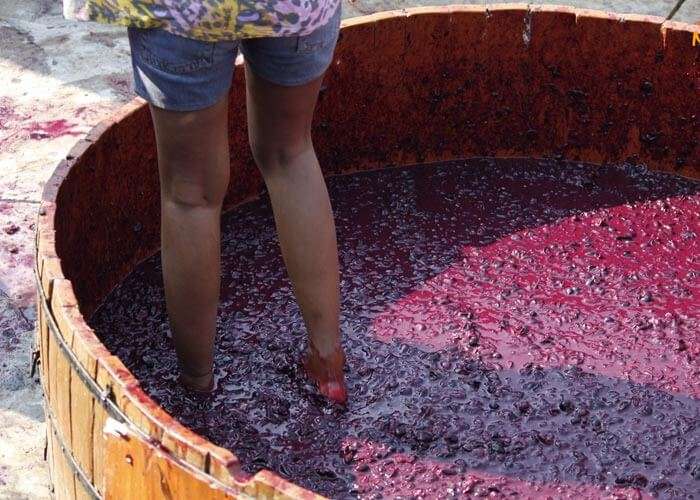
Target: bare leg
[279, 122]
[193, 160]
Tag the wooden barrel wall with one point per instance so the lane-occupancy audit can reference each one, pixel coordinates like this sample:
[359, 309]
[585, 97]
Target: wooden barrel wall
[405, 87]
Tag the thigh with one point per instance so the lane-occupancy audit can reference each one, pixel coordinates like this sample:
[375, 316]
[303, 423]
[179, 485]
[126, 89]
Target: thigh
[279, 117]
[283, 78]
[193, 153]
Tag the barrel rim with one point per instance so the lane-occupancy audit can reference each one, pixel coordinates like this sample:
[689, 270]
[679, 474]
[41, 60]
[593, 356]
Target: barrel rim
[145, 414]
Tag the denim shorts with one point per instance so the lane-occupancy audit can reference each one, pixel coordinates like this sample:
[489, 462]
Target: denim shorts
[182, 74]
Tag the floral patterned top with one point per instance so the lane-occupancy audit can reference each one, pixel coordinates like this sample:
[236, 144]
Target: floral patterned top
[209, 20]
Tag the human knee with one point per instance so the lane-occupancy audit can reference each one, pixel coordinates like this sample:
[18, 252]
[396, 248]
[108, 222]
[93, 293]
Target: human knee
[191, 194]
[273, 156]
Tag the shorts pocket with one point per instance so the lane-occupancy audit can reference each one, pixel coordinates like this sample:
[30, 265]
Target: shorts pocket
[170, 53]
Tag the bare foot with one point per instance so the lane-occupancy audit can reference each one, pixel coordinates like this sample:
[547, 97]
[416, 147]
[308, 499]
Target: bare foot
[201, 384]
[327, 372]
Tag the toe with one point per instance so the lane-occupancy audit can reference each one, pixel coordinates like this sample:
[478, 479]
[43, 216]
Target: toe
[335, 391]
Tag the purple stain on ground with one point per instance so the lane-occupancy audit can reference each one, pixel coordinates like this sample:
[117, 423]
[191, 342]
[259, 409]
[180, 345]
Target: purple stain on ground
[512, 327]
[17, 253]
[11, 229]
[51, 129]
[13, 324]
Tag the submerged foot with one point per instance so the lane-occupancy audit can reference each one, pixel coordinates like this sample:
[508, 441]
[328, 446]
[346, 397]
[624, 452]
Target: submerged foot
[327, 373]
[201, 384]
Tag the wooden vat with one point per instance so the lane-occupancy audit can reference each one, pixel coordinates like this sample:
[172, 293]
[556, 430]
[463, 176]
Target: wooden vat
[405, 87]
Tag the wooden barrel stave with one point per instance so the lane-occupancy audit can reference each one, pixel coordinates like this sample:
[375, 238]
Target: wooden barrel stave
[65, 310]
[62, 476]
[150, 471]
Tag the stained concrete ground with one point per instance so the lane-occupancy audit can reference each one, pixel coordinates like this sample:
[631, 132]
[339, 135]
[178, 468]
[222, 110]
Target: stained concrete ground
[59, 78]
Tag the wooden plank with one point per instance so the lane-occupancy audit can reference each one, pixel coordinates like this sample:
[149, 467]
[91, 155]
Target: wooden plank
[49, 450]
[53, 361]
[43, 349]
[36, 341]
[62, 475]
[98, 448]
[224, 466]
[138, 469]
[45, 245]
[81, 493]
[184, 444]
[88, 349]
[86, 414]
[89, 442]
[181, 442]
[63, 288]
[82, 410]
[64, 307]
[266, 484]
[81, 401]
[111, 374]
[50, 270]
[147, 415]
[45, 250]
[60, 398]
